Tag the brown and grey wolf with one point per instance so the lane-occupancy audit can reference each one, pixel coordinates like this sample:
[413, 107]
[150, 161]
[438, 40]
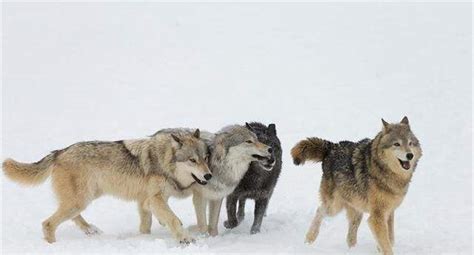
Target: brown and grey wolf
[232, 150]
[147, 171]
[370, 176]
[259, 181]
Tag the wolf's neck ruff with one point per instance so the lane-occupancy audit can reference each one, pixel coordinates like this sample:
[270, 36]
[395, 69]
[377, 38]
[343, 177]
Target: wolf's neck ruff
[390, 180]
[177, 186]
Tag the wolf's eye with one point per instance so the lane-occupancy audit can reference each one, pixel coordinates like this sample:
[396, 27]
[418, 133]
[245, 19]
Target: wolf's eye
[249, 141]
[396, 144]
[410, 143]
[192, 160]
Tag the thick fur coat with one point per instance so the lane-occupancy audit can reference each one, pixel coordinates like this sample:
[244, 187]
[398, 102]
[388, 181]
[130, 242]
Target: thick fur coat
[370, 176]
[147, 171]
[232, 150]
[258, 182]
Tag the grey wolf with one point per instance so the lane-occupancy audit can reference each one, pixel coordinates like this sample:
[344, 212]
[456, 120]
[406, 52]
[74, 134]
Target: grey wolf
[259, 181]
[370, 176]
[232, 150]
[148, 171]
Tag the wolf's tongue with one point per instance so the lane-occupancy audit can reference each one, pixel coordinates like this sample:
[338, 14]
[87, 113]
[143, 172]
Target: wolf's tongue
[406, 164]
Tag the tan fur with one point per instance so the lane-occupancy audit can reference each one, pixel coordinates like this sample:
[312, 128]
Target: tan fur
[310, 149]
[28, 174]
[84, 172]
[386, 189]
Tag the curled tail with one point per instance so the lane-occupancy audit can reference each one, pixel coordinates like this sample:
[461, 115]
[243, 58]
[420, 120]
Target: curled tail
[30, 174]
[313, 149]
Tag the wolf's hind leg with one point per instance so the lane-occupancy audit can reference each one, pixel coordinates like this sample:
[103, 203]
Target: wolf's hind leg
[313, 231]
[145, 218]
[260, 209]
[391, 231]
[241, 211]
[354, 217]
[324, 210]
[73, 199]
[87, 228]
[231, 204]
[63, 213]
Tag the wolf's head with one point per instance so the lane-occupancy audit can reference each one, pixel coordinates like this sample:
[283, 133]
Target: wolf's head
[266, 135]
[191, 155]
[240, 143]
[399, 147]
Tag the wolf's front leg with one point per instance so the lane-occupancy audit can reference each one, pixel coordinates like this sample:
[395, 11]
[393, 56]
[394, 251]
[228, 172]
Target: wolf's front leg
[241, 211]
[145, 218]
[200, 204]
[391, 230]
[231, 204]
[162, 212]
[214, 210]
[378, 226]
[260, 208]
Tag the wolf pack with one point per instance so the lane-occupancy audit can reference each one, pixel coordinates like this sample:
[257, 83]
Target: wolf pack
[237, 163]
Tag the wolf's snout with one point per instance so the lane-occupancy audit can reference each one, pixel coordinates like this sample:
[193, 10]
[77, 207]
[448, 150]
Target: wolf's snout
[409, 156]
[207, 177]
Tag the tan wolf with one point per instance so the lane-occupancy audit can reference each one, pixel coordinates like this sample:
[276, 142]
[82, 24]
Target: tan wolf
[370, 176]
[148, 171]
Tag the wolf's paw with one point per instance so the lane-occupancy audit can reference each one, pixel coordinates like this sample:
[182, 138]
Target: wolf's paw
[187, 241]
[145, 231]
[48, 233]
[351, 241]
[381, 251]
[50, 239]
[213, 232]
[240, 217]
[310, 238]
[254, 230]
[231, 223]
[92, 230]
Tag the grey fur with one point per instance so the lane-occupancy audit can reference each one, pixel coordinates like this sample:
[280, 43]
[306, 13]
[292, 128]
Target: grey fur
[258, 183]
[230, 158]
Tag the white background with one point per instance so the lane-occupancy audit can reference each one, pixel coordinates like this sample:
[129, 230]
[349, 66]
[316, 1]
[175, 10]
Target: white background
[74, 72]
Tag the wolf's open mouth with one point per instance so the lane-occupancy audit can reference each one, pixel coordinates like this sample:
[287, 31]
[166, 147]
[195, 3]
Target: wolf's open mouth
[405, 164]
[198, 181]
[267, 167]
[259, 157]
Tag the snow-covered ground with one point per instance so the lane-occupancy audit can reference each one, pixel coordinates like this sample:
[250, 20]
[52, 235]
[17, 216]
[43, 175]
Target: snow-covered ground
[116, 71]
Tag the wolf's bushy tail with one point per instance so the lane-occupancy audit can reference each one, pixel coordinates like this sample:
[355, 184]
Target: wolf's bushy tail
[313, 149]
[30, 174]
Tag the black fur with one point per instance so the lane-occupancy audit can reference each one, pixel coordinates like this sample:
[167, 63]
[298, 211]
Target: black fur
[257, 184]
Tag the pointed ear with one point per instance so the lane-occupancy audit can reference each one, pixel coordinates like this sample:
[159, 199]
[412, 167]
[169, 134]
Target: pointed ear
[197, 133]
[176, 139]
[385, 124]
[272, 129]
[247, 125]
[405, 121]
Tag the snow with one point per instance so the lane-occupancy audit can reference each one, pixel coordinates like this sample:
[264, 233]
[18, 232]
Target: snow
[115, 71]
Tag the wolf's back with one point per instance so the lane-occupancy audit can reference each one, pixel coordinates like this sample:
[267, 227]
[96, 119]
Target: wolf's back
[30, 174]
[313, 149]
